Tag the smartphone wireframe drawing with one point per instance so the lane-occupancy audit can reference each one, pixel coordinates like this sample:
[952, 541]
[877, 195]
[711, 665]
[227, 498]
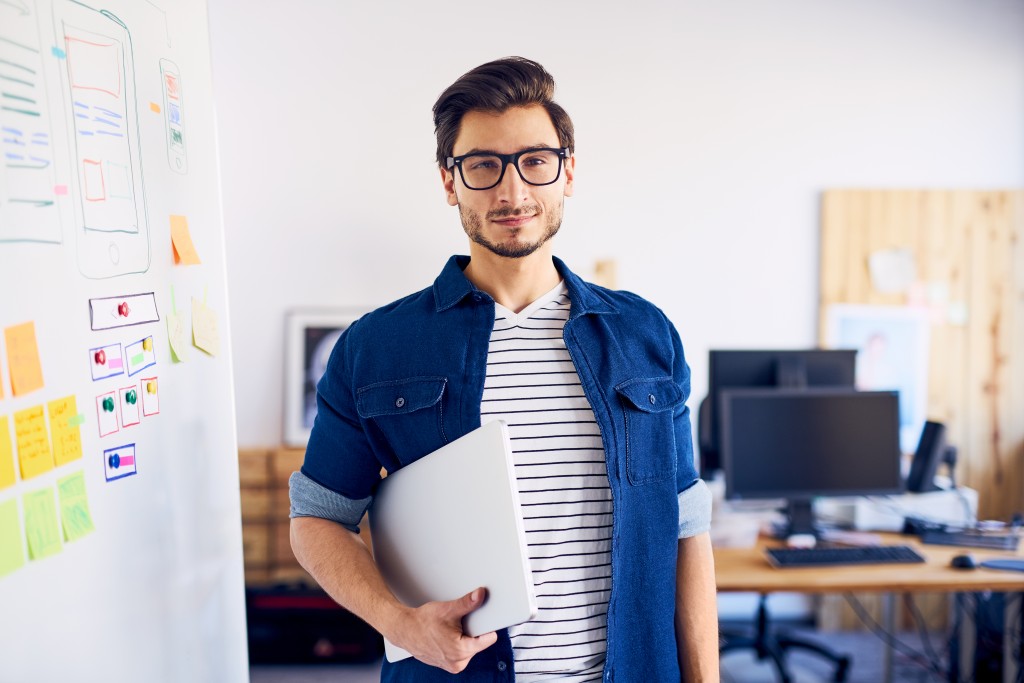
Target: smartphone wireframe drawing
[174, 116]
[98, 78]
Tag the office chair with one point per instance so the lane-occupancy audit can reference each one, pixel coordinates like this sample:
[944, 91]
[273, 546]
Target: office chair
[770, 644]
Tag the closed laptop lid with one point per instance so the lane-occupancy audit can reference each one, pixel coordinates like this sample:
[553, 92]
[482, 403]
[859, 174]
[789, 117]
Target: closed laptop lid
[451, 522]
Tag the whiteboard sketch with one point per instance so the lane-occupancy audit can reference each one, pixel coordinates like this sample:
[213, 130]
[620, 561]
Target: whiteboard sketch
[99, 83]
[28, 210]
[174, 116]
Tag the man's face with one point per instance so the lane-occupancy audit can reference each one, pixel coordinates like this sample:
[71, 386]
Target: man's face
[512, 219]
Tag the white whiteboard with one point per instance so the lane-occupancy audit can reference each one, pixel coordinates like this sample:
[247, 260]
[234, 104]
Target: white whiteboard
[106, 135]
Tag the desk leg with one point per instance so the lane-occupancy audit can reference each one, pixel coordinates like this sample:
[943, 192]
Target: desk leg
[889, 620]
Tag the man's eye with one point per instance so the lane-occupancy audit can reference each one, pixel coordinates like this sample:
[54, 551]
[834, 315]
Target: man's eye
[533, 161]
[483, 164]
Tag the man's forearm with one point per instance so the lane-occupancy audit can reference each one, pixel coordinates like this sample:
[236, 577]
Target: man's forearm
[342, 565]
[696, 610]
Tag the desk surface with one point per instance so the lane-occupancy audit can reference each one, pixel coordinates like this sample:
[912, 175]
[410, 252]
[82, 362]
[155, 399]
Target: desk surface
[747, 570]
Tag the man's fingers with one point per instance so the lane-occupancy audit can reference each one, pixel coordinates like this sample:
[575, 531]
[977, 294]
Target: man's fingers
[484, 641]
[468, 602]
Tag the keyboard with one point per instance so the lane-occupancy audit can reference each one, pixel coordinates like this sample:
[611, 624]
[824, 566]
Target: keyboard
[825, 557]
[971, 539]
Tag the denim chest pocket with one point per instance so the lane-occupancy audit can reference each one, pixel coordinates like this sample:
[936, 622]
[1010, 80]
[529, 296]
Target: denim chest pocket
[408, 413]
[648, 405]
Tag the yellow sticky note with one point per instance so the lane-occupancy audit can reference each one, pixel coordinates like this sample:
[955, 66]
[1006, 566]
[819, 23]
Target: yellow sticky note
[34, 454]
[176, 337]
[12, 548]
[23, 358]
[204, 328]
[181, 240]
[67, 437]
[41, 528]
[7, 476]
[74, 507]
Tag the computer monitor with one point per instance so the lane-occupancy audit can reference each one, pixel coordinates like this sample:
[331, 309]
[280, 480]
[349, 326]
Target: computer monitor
[749, 369]
[801, 444]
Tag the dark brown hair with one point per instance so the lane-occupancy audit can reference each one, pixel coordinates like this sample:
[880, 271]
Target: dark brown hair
[496, 87]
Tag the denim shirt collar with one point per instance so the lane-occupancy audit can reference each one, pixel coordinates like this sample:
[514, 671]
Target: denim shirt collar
[452, 286]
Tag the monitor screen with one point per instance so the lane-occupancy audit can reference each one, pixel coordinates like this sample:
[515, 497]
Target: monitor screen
[800, 444]
[749, 369]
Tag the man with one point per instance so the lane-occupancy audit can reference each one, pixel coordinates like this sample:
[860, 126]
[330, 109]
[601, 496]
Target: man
[593, 385]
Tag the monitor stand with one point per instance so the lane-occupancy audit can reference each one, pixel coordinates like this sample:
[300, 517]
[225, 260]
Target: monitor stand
[799, 519]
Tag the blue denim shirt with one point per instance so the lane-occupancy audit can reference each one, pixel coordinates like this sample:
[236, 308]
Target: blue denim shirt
[408, 378]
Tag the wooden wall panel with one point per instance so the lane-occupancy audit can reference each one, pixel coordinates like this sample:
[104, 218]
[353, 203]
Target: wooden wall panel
[970, 273]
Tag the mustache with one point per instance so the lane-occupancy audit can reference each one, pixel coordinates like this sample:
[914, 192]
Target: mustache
[509, 212]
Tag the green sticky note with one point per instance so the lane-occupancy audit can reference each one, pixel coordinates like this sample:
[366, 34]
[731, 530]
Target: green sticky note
[74, 506]
[12, 553]
[41, 526]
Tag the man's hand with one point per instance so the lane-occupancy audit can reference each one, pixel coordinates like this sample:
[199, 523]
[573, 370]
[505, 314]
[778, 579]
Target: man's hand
[433, 633]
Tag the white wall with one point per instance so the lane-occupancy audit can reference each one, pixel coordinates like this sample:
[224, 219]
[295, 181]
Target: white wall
[705, 133]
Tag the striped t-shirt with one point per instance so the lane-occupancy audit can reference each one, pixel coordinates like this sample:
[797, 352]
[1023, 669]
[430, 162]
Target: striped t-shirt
[563, 487]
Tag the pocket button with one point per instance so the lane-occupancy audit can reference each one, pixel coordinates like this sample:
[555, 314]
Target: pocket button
[652, 399]
[399, 402]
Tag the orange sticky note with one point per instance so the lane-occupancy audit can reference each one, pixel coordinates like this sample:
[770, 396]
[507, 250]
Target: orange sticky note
[6, 455]
[23, 358]
[181, 240]
[67, 436]
[154, 107]
[34, 454]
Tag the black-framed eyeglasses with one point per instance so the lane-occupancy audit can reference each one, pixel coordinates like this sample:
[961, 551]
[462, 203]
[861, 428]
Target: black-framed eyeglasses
[536, 166]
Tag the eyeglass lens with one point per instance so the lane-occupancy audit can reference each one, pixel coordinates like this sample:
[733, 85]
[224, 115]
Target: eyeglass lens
[540, 167]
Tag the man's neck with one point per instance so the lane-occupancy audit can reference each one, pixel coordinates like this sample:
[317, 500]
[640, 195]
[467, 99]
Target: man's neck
[513, 283]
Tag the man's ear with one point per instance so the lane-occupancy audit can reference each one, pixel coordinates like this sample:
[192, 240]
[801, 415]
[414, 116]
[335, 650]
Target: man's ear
[570, 175]
[448, 180]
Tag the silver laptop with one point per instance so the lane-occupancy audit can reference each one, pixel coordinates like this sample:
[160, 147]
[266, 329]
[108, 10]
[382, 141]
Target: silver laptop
[451, 522]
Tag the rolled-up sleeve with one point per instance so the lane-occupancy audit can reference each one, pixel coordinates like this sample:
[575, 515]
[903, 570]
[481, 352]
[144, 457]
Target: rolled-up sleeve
[694, 510]
[310, 499]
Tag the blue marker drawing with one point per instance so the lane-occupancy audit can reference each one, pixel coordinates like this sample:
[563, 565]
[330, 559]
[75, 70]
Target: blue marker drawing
[44, 162]
[85, 132]
[111, 114]
[109, 123]
[83, 106]
[58, 53]
[12, 131]
[107, 132]
[14, 157]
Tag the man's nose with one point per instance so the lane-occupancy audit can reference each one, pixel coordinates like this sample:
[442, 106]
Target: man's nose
[512, 187]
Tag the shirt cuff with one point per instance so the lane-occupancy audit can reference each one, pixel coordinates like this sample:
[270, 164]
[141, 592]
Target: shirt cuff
[694, 510]
[310, 499]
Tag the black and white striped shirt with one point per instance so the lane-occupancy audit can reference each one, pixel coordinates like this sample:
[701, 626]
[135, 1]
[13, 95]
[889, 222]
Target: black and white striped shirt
[563, 487]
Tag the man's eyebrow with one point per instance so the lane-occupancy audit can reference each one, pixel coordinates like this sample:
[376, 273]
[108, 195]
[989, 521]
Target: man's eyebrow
[540, 145]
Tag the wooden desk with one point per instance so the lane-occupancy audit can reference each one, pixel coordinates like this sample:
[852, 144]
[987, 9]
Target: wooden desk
[748, 570]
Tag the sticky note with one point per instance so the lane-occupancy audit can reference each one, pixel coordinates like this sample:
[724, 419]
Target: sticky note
[23, 358]
[204, 328]
[74, 507]
[154, 107]
[41, 528]
[12, 548]
[181, 239]
[33, 441]
[7, 476]
[67, 437]
[176, 337]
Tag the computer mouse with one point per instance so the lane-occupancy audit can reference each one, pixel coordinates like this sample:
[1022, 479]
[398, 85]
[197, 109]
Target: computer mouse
[967, 561]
